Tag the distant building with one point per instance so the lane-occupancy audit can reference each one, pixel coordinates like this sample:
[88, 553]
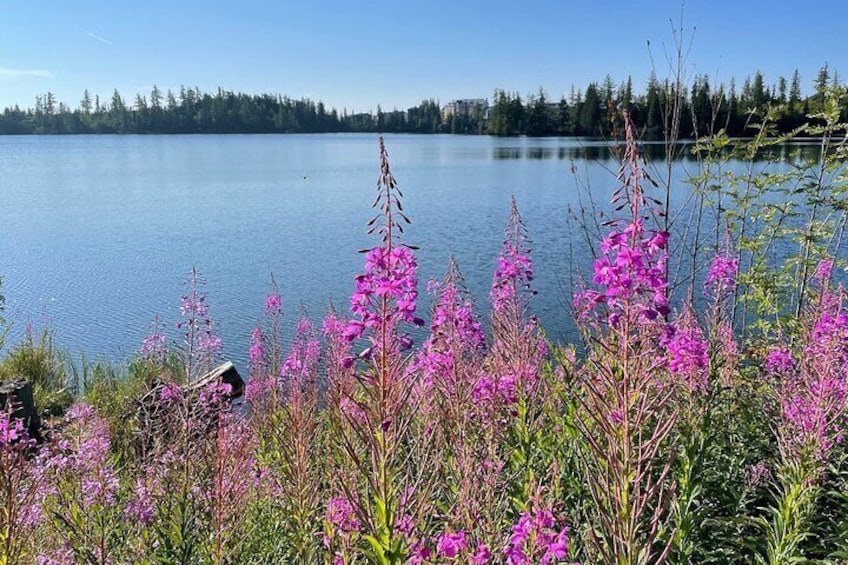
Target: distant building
[465, 108]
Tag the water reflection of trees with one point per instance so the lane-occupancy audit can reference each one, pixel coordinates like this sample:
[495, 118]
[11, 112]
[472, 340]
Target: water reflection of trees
[653, 151]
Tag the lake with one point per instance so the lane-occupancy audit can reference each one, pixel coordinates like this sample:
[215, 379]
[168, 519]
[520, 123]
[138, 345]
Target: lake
[100, 232]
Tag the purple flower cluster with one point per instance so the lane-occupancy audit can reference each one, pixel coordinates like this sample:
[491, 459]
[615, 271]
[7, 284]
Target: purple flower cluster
[455, 313]
[85, 458]
[256, 352]
[22, 481]
[451, 545]
[141, 507]
[340, 514]
[154, 346]
[334, 330]
[721, 277]
[514, 272]
[503, 389]
[273, 304]
[208, 343]
[824, 271]
[688, 352]
[202, 344]
[214, 396]
[536, 539]
[630, 275]
[386, 293]
[194, 306]
[454, 333]
[340, 526]
[170, 393]
[813, 396]
[453, 548]
[13, 434]
[259, 389]
[302, 362]
[779, 362]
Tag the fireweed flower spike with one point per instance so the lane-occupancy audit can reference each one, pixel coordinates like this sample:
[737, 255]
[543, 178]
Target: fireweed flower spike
[201, 345]
[537, 539]
[379, 408]
[812, 391]
[85, 494]
[514, 272]
[264, 356]
[688, 352]
[23, 487]
[154, 347]
[456, 337]
[517, 348]
[627, 406]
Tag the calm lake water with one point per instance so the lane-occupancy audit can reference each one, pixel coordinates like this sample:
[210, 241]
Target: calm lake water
[100, 232]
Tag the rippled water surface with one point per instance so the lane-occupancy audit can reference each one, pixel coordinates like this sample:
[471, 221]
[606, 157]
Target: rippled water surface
[98, 233]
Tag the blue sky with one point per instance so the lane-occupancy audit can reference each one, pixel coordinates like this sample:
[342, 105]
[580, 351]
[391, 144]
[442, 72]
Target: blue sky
[357, 54]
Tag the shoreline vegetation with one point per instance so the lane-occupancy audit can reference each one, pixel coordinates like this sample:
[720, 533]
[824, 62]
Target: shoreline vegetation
[700, 417]
[699, 108]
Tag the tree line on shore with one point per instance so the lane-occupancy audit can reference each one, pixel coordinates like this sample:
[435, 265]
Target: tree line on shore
[697, 109]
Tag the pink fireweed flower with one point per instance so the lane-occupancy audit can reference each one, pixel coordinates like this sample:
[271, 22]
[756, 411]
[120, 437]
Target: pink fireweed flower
[141, 506]
[215, 395]
[456, 337]
[451, 545]
[260, 388]
[340, 521]
[482, 556]
[688, 352]
[390, 275]
[194, 306]
[209, 343]
[340, 514]
[170, 393]
[824, 271]
[721, 278]
[615, 417]
[813, 395]
[154, 346]
[419, 554]
[84, 459]
[517, 351]
[514, 271]
[779, 361]
[12, 432]
[485, 389]
[256, 352]
[334, 329]
[301, 366]
[632, 270]
[537, 539]
[273, 304]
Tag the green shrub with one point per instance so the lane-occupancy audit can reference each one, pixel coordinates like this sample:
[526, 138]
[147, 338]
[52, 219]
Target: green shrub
[39, 363]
